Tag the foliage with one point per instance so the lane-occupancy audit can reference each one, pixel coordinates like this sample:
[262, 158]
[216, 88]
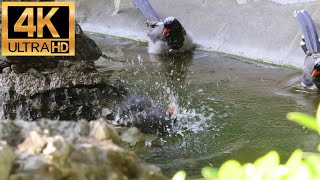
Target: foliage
[300, 165]
[180, 175]
[306, 120]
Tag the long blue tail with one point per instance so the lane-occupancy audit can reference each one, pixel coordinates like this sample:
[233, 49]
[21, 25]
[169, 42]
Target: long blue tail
[309, 32]
[146, 9]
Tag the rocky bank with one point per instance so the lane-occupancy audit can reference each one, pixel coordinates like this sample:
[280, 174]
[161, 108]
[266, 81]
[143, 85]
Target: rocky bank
[47, 149]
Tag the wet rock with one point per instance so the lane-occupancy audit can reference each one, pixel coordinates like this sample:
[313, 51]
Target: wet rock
[33, 144]
[102, 131]
[63, 75]
[132, 136]
[7, 129]
[57, 91]
[150, 172]
[86, 48]
[58, 156]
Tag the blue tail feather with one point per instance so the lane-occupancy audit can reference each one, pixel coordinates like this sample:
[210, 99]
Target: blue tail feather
[146, 9]
[309, 31]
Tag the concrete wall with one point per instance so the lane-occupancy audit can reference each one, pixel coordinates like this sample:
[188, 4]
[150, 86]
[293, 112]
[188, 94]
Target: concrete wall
[258, 29]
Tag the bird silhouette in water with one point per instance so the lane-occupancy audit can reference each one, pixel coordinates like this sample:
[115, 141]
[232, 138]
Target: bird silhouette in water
[139, 111]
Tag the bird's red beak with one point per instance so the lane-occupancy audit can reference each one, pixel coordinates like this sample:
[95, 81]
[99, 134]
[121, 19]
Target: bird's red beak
[315, 73]
[166, 31]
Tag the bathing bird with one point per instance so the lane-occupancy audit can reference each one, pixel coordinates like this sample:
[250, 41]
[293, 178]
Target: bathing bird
[139, 111]
[311, 46]
[166, 35]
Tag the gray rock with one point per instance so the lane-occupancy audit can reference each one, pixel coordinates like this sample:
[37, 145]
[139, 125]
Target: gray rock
[86, 48]
[50, 153]
[131, 136]
[33, 144]
[150, 172]
[8, 128]
[60, 90]
[102, 131]
[63, 75]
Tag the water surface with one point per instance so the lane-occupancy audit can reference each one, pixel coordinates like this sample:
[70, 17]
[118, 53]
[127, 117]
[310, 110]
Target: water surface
[228, 108]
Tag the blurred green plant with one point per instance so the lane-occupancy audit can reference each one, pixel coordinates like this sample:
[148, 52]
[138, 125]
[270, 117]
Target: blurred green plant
[299, 166]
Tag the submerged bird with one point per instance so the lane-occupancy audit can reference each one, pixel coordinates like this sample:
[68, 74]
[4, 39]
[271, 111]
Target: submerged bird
[311, 46]
[139, 111]
[165, 36]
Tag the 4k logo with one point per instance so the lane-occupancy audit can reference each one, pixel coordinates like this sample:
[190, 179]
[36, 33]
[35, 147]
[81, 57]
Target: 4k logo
[38, 29]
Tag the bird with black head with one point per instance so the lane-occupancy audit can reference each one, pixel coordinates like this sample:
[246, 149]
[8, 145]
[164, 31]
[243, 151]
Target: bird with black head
[311, 46]
[165, 36]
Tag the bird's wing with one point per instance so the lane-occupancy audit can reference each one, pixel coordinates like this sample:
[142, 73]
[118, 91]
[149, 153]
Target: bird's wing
[146, 9]
[309, 32]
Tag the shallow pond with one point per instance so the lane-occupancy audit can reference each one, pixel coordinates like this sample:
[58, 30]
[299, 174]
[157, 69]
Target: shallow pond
[228, 108]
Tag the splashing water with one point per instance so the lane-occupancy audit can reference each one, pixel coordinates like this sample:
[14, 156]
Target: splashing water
[157, 47]
[187, 119]
[224, 108]
[162, 85]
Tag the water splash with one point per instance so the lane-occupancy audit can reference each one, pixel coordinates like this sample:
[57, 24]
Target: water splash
[157, 47]
[188, 119]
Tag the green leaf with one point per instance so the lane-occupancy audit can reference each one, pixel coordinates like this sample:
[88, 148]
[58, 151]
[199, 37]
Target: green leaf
[231, 170]
[301, 171]
[304, 120]
[313, 163]
[266, 163]
[249, 171]
[277, 173]
[269, 160]
[180, 175]
[209, 173]
[294, 159]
